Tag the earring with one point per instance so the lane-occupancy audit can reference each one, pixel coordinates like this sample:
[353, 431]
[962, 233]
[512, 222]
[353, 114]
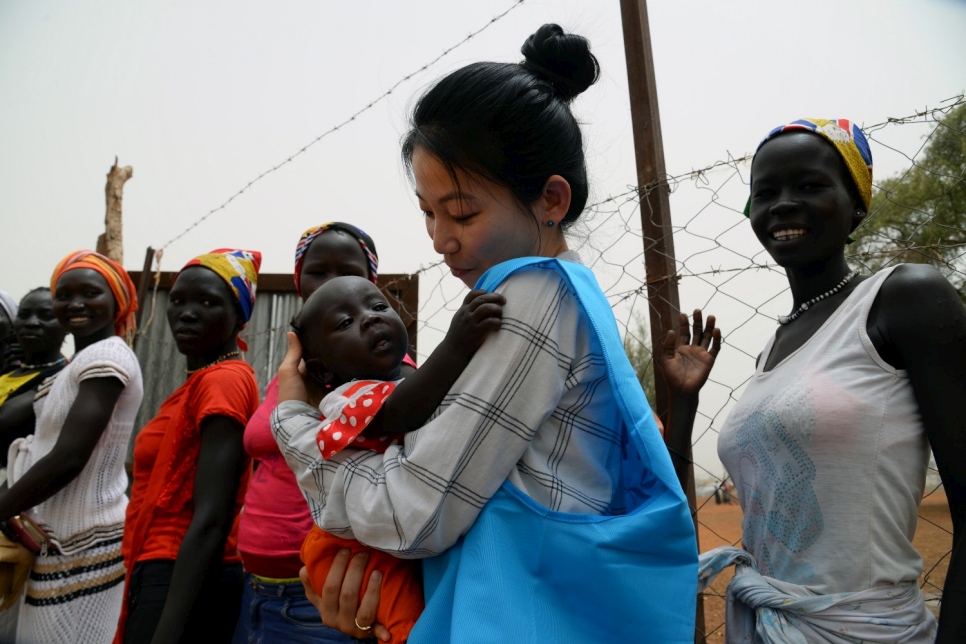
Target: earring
[550, 223]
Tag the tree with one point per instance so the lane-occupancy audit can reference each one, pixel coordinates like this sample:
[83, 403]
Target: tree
[919, 216]
[637, 346]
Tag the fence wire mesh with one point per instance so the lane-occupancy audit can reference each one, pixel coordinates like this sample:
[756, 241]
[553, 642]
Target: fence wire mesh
[723, 270]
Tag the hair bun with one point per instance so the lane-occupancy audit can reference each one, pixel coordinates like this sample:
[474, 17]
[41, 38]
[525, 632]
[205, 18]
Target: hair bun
[562, 59]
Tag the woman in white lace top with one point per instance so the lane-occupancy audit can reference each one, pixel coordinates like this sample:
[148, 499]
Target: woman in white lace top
[74, 480]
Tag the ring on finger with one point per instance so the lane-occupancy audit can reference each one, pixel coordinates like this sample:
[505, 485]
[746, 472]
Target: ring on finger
[360, 626]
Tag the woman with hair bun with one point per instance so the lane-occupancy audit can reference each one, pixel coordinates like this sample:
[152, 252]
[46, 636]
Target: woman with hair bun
[540, 495]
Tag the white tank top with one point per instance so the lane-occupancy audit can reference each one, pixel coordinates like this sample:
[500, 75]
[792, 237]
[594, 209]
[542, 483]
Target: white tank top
[828, 455]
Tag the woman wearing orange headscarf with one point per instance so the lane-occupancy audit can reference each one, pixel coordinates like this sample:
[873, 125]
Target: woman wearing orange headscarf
[74, 480]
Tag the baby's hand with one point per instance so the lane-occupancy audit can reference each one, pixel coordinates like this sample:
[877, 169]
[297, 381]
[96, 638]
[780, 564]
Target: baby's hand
[481, 313]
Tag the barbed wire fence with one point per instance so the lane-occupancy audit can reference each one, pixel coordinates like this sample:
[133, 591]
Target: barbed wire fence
[338, 126]
[722, 270]
[269, 349]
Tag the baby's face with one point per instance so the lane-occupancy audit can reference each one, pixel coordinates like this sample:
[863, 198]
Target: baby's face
[351, 331]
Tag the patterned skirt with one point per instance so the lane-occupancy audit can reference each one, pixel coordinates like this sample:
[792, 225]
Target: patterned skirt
[74, 599]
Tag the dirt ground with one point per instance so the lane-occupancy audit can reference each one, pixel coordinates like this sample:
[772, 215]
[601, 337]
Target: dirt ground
[721, 525]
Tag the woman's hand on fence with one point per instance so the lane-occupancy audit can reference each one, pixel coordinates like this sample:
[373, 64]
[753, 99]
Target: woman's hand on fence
[339, 604]
[687, 358]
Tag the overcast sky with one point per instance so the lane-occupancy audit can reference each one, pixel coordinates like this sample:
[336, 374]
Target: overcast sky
[202, 97]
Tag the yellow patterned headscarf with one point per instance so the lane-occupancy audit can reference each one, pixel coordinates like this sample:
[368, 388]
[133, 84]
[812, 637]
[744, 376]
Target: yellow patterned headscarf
[849, 142]
[239, 268]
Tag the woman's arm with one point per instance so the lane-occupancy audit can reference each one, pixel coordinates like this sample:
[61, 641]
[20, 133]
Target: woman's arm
[686, 362]
[418, 498]
[17, 411]
[417, 397]
[87, 419]
[920, 314]
[220, 468]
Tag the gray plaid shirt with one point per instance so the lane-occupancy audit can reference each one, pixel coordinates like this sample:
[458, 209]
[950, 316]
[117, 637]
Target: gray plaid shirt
[534, 407]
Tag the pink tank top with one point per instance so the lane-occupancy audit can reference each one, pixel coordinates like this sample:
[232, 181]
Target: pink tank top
[276, 518]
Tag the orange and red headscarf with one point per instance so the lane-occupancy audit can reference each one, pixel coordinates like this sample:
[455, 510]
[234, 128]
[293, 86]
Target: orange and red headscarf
[125, 293]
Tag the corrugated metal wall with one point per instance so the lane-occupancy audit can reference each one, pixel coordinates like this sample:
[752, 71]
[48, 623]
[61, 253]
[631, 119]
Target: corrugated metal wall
[163, 368]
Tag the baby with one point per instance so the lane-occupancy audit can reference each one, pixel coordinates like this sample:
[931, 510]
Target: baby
[354, 343]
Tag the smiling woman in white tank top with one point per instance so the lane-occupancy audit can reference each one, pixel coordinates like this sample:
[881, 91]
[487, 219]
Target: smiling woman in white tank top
[829, 443]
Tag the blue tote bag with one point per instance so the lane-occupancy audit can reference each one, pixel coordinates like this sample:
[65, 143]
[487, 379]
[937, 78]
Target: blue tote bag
[524, 573]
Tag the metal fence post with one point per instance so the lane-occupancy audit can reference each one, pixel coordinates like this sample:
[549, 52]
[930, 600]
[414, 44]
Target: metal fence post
[659, 262]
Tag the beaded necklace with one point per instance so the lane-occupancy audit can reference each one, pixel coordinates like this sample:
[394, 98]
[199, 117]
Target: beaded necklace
[221, 358]
[60, 360]
[785, 319]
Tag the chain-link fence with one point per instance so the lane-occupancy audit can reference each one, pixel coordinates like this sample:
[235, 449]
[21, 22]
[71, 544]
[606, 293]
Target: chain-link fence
[723, 270]
[918, 215]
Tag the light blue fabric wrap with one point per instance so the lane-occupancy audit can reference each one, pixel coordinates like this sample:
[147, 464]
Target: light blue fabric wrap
[524, 573]
[763, 610]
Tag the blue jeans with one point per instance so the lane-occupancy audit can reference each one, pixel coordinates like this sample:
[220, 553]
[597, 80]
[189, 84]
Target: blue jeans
[281, 613]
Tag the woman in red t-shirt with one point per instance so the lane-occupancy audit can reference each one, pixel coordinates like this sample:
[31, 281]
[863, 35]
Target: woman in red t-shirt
[184, 576]
[276, 518]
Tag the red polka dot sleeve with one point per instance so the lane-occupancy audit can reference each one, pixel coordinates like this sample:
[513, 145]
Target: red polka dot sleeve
[347, 411]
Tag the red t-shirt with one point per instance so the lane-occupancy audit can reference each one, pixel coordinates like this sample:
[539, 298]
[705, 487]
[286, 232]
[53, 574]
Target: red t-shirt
[226, 389]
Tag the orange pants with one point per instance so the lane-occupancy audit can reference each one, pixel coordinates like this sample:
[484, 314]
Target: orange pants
[401, 596]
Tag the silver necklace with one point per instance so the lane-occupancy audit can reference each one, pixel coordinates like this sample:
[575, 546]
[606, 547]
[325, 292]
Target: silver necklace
[785, 319]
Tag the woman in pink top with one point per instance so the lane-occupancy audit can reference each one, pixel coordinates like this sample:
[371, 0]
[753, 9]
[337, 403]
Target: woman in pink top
[276, 517]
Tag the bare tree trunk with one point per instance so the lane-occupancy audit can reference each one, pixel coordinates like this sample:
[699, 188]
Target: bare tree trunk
[111, 242]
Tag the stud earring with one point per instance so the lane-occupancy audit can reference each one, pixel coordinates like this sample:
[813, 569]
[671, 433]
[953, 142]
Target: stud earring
[550, 223]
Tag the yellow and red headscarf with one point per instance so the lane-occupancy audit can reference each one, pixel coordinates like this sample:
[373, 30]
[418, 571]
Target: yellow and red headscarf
[125, 293]
[849, 141]
[239, 269]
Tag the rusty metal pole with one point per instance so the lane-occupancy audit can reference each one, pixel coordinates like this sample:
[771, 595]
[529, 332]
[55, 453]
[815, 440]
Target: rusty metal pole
[145, 283]
[662, 287]
[143, 286]
[659, 263]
